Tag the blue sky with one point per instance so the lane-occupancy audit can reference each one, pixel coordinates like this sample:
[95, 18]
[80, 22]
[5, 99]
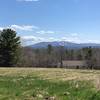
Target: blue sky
[52, 20]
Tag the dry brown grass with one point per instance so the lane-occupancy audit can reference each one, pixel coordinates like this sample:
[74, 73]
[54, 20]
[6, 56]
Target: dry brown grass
[55, 74]
[52, 74]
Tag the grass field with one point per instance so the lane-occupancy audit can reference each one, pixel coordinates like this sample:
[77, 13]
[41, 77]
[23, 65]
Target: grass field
[49, 84]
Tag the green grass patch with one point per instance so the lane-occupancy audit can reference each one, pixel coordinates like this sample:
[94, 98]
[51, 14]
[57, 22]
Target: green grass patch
[35, 88]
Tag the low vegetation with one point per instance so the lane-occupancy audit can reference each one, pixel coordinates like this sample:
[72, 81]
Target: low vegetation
[49, 84]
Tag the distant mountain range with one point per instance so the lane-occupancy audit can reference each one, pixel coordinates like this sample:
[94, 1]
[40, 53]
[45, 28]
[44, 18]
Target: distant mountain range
[65, 44]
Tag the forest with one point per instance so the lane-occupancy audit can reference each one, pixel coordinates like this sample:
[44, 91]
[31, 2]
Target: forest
[51, 56]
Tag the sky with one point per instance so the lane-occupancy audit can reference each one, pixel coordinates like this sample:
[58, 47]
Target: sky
[52, 20]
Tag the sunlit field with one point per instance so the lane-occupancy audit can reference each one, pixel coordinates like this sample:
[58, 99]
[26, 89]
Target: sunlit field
[49, 84]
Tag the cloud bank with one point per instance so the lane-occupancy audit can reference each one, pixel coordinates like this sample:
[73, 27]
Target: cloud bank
[20, 27]
[31, 34]
[23, 27]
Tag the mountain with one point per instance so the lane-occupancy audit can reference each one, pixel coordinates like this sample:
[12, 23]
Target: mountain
[65, 44]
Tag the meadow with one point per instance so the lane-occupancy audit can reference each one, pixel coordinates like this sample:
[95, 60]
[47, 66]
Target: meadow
[49, 84]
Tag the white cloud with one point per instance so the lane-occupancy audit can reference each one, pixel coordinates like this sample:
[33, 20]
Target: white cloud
[45, 32]
[71, 39]
[28, 28]
[93, 41]
[28, 40]
[1, 28]
[23, 27]
[74, 34]
[32, 38]
[20, 27]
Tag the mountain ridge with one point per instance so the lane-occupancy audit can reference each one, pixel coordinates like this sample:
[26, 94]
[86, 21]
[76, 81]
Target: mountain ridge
[65, 44]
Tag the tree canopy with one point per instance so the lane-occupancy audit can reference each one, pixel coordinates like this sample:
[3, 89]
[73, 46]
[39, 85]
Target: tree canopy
[9, 48]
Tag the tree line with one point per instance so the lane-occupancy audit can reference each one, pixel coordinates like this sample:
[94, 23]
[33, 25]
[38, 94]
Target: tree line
[51, 56]
[12, 54]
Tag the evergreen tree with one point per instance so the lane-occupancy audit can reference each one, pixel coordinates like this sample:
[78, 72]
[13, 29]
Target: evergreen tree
[88, 57]
[9, 48]
[49, 49]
